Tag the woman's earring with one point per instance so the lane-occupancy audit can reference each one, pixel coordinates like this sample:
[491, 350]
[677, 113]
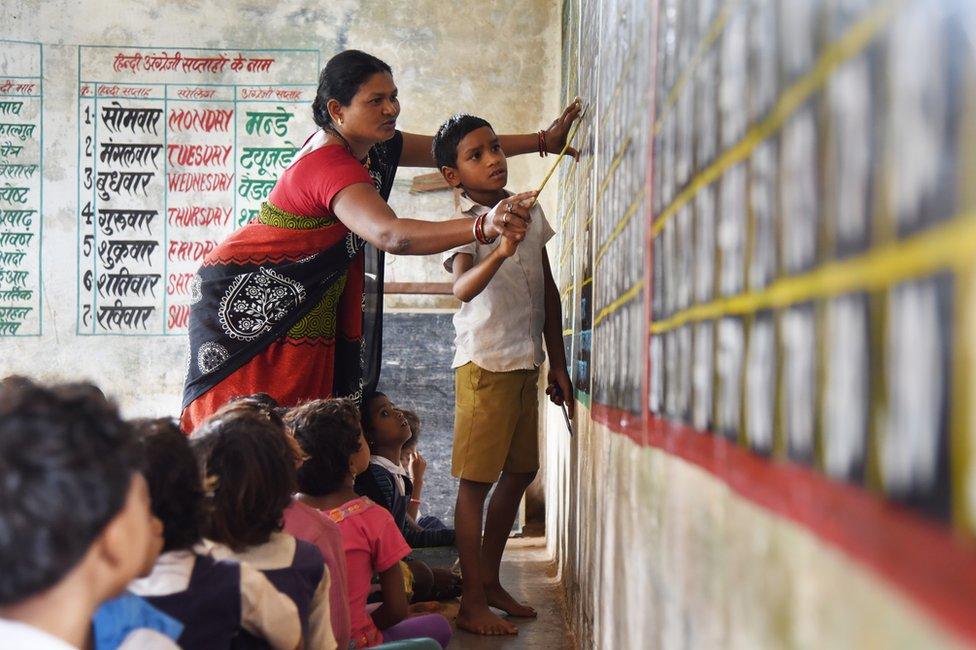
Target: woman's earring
[340, 121]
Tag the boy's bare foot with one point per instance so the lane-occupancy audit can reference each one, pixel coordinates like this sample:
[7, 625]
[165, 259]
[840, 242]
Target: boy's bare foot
[481, 620]
[501, 599]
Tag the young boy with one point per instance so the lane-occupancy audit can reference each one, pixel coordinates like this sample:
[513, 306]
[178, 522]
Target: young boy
[510, 303]
[75, 523]
[385, 481]
[416, 467]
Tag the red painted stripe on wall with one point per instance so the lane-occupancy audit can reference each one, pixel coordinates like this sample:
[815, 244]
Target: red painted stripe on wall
[922, 558]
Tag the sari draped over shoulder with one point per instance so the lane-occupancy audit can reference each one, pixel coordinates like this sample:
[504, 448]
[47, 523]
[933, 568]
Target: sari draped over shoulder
[290, 304]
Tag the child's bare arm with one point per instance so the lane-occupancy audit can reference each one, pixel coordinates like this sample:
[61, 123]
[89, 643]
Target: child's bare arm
[471, 279]
[418, 467]
[394, 607]
[552, 331]
[412, 522]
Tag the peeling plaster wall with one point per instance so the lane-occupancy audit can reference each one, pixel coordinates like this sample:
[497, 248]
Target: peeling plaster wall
[498, 60]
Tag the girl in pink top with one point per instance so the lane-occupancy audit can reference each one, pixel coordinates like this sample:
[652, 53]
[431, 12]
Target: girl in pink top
[314, 526]
[329, 435]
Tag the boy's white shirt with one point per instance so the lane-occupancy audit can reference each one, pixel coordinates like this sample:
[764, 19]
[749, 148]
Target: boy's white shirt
[500, 329]
[147, 639]
[15, 635]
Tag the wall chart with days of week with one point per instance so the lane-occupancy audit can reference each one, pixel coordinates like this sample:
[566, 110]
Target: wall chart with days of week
[21, 146]
[176, 149]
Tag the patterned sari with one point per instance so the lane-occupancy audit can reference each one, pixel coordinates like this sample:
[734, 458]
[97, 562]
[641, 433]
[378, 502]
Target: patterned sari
[290, 305]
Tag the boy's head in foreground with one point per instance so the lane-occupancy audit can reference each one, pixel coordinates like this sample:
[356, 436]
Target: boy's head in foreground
[75, 517]
[469, 155]
[175, 482]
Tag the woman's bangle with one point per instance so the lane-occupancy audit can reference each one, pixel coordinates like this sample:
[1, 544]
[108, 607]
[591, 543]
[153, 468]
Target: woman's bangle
[484, 236]
[479, 231]
[474, 229]
[417, 501]
[543, 148]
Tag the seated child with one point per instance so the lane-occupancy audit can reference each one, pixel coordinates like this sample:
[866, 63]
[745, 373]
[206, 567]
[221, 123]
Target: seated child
[331, 439]
[416, 467]
[313, 526]
[74, 511]
[214, 599]
[128, 621]
[510, 303]
[385, 481]
[247, 455]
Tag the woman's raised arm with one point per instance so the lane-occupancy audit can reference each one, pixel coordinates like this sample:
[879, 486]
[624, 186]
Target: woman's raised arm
[416, 148]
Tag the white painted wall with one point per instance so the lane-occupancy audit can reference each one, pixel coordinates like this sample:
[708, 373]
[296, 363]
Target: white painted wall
[499, 60]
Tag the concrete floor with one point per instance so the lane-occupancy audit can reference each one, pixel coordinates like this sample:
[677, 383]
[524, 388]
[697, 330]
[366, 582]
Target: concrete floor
[525, 573]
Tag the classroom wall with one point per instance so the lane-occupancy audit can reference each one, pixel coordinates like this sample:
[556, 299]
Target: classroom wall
[62, 62]
[766, 261]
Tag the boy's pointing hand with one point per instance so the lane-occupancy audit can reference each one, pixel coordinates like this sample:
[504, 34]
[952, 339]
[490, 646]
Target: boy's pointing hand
[509, 217]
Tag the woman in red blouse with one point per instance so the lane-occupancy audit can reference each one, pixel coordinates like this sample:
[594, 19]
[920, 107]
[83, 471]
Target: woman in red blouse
[279, 306]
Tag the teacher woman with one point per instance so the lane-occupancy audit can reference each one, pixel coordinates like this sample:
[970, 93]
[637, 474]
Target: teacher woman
[279, 306]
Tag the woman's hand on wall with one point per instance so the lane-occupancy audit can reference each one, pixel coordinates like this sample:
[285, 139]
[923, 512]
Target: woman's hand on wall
[559, 129]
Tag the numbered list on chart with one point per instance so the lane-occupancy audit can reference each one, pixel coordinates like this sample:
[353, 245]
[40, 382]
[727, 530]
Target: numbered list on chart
[21, 146]
[177, 149]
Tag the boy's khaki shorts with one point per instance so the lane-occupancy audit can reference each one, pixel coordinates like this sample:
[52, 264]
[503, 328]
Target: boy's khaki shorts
[496, 423]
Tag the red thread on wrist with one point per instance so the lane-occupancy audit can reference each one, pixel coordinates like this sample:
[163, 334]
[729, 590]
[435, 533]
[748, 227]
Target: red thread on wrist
[543, 145]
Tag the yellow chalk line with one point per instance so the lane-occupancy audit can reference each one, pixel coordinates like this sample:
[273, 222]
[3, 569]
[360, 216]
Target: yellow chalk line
[853, 42]
[714, 31]
[614, 163]
[619, 228]
[568, 213]
[567, 248]
[951, 245]
[621, 300]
